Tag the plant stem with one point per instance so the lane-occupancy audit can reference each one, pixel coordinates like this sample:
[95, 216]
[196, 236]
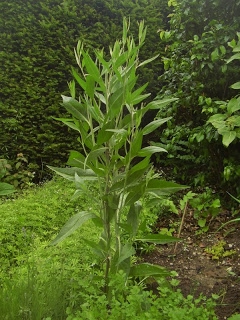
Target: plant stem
[181, 225]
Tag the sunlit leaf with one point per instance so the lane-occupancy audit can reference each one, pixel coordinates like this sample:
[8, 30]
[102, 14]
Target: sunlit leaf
[158, 238]
[233, 105]
[152, 126]
[228, 137]
[147, 151]
[235, 85]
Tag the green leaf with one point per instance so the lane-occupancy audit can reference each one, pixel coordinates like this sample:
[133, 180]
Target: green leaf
[95, 154]
[236, 85]
[136, 144]
[73, 224]
[79, 80]
[136, 192]
[158, 238]
[90, 87]
[233, 105]
[133, 217]
[161, 187]
[202, 222]
[140, 98]
[97, 248]
[76, 159]
[157, 104]
[116, 101]
[147, 151]
[148, 61]
[138, 91]
[69, 173]
[75, 108]
[104, 134]
[215, 55]
[6, 188]
[148, 270]
[126, 252]
[143, 164]
[218, 120]
[234, 57]
[228, 137]
[152, 126]
[93, 70]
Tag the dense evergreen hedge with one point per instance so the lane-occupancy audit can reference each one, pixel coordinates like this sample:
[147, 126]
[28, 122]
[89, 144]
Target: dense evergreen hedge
[36, 54]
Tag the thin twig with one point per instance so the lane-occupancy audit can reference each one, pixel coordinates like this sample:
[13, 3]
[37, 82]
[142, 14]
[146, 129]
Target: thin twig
[181, 225]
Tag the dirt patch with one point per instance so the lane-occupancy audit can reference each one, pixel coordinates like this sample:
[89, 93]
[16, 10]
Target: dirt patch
[199, 271]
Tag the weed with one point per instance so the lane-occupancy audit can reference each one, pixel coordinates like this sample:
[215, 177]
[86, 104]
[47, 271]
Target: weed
[219, 251]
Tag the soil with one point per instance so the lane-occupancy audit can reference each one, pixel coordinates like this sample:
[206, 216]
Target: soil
[199, 271]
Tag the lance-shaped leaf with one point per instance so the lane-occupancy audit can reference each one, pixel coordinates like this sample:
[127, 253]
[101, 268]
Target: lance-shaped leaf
[148, 61]
[158, 104]
[77, 110]
[133, 217]
[161, 187]
[69, 173]
[116, 101]
[147, 151]
[136, 144]
[144, 164]
[90, 85]
[154, 125]
[148, 270]
[158, 239]
[79, 80]
[73, 224]
[93, 70]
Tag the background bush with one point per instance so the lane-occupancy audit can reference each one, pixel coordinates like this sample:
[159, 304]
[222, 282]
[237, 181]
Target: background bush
[198, 45]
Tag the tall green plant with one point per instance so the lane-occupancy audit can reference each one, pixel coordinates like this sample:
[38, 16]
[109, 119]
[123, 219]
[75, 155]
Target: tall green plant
[108, 119]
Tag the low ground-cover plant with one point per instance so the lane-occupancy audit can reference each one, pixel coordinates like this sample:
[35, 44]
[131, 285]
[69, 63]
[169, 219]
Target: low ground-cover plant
[38, 213]
[56, 284]
[108, 118]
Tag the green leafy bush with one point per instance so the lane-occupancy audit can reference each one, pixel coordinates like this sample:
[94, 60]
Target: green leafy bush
[37, 214]
[196, 72]
[18, 173]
